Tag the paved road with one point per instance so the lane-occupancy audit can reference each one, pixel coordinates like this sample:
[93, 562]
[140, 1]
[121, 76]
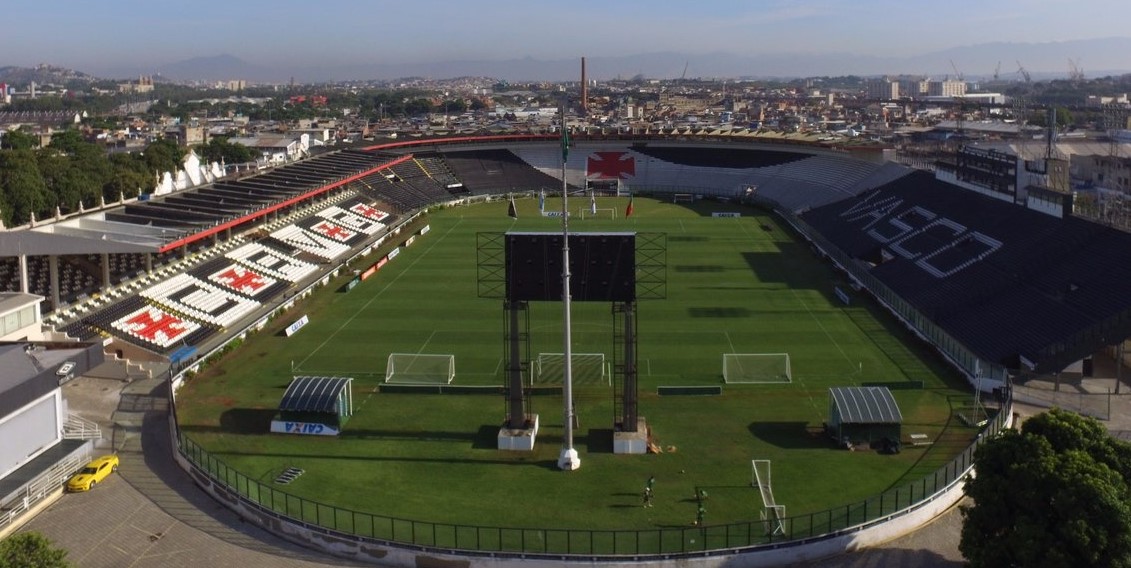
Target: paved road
[152, 515]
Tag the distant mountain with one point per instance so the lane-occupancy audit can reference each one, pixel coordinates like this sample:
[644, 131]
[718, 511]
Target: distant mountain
[1096, 57]
[653, 65]
[212, 68]
[1043, 60]
[42, 74]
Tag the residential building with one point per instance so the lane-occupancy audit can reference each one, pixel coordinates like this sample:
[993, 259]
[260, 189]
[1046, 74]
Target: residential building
[1108, 172]
[883, 90]
[946, 88]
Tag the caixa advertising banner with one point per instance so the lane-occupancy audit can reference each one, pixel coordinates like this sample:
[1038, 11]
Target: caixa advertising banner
[305, 428]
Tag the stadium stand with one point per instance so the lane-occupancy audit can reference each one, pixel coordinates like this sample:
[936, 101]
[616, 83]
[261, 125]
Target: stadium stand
[214, 292]
[227, 274]
[1017, 287]
[272, 262]
[184, 218]
[314, 201]
[437, 169]
[310, 242]
[138, 322]
[199, 300]
[317, 225]
[545, 158]
[1014, 286]
[793, 180]
[725, 158]
[350, 219]
[498, 171]
[222, 201]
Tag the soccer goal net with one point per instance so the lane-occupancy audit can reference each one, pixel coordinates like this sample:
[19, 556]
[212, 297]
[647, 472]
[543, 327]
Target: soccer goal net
[587, 368]
[420, 368]
[773, 515]
[756, 368]
[599, 213]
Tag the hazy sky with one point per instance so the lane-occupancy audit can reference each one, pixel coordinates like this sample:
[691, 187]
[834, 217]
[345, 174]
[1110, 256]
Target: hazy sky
[99, 34]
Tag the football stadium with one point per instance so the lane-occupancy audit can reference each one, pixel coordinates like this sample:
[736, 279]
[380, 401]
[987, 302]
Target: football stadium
[772, 351]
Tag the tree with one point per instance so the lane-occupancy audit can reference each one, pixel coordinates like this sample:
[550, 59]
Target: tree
[1063, 118]
[1054, 494]
[73, 169]
[418, 107]
[23, 187]
[163, 155]
[126, 183]
[31, 549]
[18, 139]
[219, 149]
[68, 183]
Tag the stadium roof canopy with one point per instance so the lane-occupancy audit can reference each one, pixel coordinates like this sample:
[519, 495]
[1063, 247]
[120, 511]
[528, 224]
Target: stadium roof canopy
[87, 235]
[1062, 146]
[864, 405]
[315, 394]
[170, 221]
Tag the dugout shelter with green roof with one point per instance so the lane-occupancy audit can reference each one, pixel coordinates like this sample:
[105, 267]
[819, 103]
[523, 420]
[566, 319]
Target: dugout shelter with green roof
[863, 414]
[315, 406]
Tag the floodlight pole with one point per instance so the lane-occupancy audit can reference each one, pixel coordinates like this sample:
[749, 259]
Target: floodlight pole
[568, 459]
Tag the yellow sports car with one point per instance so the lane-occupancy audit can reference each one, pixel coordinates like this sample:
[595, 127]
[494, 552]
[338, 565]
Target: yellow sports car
[92, 473]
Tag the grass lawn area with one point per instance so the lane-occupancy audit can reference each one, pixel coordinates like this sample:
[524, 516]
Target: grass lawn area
[734, 285]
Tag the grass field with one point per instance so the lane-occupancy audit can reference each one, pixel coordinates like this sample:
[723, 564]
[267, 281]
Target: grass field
[735, 285]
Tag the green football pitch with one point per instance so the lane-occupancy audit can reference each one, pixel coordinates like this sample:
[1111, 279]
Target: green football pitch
[734, 285]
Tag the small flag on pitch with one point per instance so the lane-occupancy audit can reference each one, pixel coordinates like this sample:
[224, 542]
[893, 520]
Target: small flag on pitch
[628, 210]
[512, 210]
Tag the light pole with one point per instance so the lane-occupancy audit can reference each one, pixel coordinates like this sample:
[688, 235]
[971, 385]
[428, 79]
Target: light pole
[568, 459]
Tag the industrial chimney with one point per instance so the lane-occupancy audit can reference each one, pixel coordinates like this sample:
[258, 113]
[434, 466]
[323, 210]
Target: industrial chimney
[584, 90]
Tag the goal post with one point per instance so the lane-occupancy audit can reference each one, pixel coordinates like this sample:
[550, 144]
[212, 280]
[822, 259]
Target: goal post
[756, 368]
[773, 520]
[772, 514]
[587, 368]
[601, 212]
[420, 368]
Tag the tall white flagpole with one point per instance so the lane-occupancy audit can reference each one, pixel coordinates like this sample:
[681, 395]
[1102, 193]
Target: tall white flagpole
[568, 459]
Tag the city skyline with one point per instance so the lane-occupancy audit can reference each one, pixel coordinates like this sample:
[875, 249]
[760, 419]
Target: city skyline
[129, 35]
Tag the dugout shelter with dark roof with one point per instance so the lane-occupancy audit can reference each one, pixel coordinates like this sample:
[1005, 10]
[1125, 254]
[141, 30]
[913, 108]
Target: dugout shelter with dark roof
[863, 414]
[318, 406]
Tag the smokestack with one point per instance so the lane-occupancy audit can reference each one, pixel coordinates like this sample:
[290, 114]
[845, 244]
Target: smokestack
[584, 89]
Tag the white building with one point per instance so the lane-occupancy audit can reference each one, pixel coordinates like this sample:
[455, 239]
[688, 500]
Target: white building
[277, 149]
[19, 317]
[39, 443]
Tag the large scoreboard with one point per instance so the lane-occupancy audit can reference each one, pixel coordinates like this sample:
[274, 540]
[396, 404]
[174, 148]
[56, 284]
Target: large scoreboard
[602, 267]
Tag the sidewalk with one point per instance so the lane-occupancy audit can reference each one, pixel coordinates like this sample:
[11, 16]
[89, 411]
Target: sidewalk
[151, 515]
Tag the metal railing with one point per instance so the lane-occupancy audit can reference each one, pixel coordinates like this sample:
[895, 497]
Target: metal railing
[721, 538]
[78, 428]
[1094, 404]
[44, 485]
[583, 543]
